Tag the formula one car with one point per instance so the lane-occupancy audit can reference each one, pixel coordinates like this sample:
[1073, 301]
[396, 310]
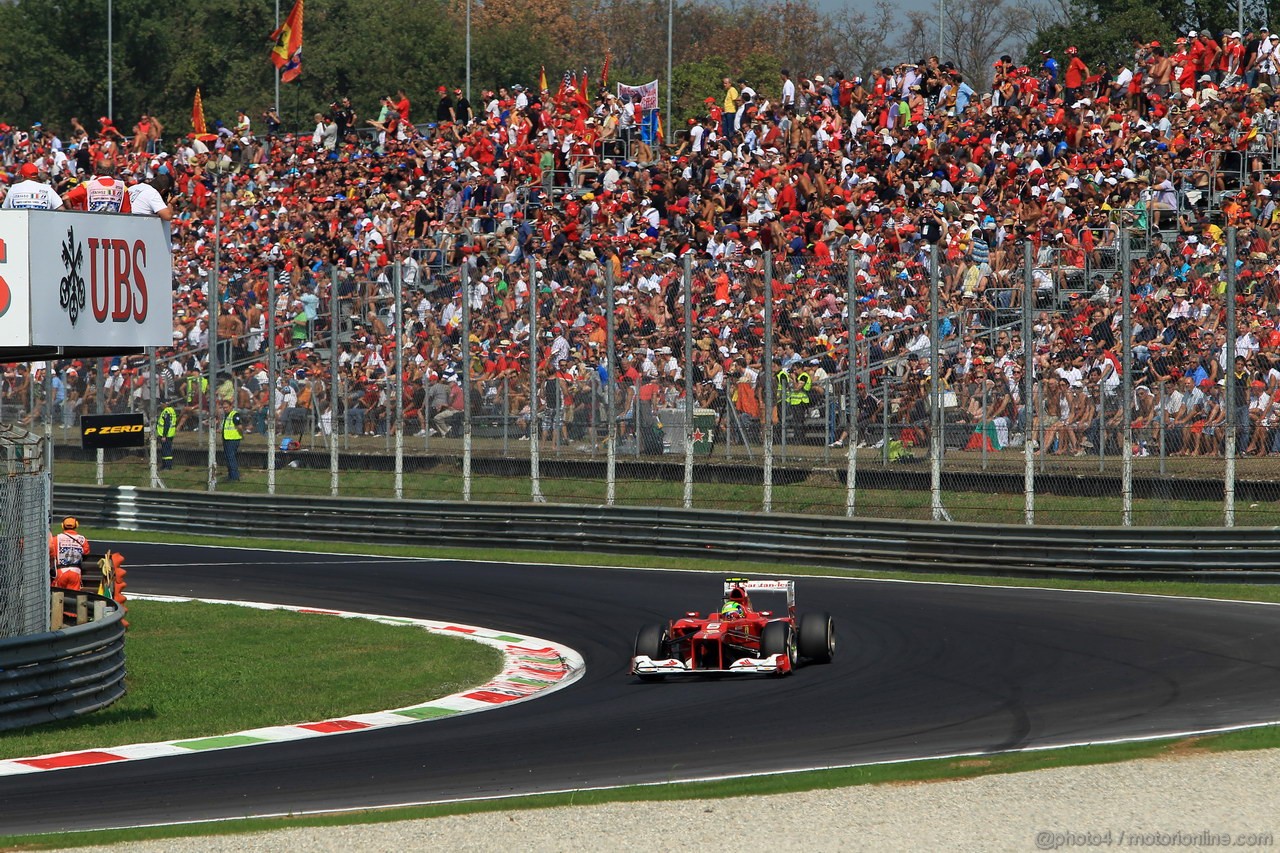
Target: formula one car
[738, 639]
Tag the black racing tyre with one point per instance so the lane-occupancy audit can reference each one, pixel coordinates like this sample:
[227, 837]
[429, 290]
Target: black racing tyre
[817, 637]
[651, 641]
[779, 639]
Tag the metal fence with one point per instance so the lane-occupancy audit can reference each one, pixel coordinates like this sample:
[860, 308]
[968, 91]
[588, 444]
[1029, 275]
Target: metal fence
[1005, 385]
[24, 531]
[1216, 554]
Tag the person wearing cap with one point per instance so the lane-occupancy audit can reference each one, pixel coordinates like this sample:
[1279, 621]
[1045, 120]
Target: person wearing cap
[67, 550]
[444, 106]
[100, 194]
[31, 193]
[1255, 411]
[462, 108]
[1262, 64]
[1206, 60]
[1049, 66]
[1231, 60]
[1076, 73]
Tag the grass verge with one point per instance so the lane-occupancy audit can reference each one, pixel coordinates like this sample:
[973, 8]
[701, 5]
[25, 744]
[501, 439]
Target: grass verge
[902, 772]
[197, 669]
[934, 770]
[822, 492]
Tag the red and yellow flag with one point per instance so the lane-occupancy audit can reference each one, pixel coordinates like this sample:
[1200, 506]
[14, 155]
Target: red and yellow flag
[542, 79]
[197, 117]
[286, 45]
[604, 72]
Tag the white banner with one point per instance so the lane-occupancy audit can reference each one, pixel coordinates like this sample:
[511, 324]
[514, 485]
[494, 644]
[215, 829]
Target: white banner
[86, 280]
[648, 94]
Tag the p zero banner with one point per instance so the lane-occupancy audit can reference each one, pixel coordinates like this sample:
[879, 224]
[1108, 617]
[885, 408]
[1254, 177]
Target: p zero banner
[127, 430]
[648, 94]
[84, 280]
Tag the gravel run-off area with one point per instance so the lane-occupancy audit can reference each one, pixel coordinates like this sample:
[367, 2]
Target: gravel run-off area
[1190, 801]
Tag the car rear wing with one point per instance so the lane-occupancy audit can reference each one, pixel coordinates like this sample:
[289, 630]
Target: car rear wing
[763, 585]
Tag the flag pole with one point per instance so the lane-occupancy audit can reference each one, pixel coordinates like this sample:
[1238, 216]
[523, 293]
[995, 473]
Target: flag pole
[111, 70]
[277, 67]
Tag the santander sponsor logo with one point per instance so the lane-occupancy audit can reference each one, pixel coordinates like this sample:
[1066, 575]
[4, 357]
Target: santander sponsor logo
[117, 279]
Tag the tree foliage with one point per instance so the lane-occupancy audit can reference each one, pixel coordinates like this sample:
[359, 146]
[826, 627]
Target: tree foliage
[53, 53]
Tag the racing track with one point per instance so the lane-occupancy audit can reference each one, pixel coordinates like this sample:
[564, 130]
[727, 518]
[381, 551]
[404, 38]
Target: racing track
[921, 669]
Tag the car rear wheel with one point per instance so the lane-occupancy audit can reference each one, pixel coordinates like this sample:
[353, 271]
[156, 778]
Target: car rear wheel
[779, 639]
[817, 637]
[651, 641]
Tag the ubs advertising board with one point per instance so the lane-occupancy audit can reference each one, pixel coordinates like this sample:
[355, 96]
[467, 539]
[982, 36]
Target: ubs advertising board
[84, 280]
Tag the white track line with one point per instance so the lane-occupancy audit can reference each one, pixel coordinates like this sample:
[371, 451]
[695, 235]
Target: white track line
[663, 569]
[532, 667]
[696, 779]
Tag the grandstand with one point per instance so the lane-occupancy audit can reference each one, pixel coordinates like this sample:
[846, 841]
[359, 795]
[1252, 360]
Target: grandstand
[339, 301]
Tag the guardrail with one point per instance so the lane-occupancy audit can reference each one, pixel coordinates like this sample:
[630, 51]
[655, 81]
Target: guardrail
[1237, 554]
[63, 673]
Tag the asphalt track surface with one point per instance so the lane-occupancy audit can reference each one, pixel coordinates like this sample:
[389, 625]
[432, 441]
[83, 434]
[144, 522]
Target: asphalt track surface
[920, 670]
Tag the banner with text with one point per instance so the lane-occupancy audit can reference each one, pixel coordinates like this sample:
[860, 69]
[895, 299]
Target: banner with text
[647, 94]
[84, 280]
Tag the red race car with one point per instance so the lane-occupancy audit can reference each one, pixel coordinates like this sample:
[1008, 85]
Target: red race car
[738, 639]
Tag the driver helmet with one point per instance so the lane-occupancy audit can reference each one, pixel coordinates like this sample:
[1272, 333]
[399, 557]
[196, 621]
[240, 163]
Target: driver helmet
[732, 610]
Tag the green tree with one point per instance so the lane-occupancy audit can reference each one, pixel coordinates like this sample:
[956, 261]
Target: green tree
[692, 84]
[1103, 30]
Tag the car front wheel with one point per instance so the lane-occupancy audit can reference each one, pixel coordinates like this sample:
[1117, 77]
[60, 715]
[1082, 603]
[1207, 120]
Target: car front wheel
[651, 642]
[817, 637]
[779, 639]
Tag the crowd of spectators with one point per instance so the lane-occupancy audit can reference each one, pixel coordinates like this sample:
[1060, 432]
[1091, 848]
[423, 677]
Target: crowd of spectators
[1164, 152]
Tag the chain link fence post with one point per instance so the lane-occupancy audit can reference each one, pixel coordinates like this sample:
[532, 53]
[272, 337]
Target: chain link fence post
[1229, 392]
[152, 436]
[467, 288]
[100, 386]
[936, 418]
[686, 281]
[1126, 397]
[769, 374]
[612, 378]
[396, 387]
[214, 305]
[272, 401]
[49, 415]
[535, 428]
[1030, 440]
[851, 437]
[335, 325]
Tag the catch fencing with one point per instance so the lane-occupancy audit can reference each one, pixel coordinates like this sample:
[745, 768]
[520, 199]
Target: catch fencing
[1016, 389]
[24, 531]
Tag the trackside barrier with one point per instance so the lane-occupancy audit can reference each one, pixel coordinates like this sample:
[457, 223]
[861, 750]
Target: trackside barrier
[65, 672]
[1241, 554]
